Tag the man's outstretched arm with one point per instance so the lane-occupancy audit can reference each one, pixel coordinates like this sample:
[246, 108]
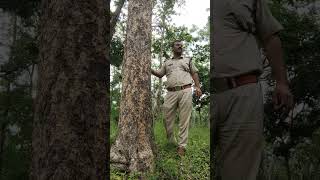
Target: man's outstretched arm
[159, 74]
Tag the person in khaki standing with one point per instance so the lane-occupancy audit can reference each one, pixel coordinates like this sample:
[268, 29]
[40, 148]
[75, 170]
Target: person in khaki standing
[180, 72]
[241, 27]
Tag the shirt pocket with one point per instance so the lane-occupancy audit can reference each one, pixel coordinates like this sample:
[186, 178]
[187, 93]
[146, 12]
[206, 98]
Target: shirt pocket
[243, 14]
[184, 65]
[169, 68]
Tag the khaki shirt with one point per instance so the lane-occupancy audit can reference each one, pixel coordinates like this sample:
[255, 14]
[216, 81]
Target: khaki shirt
[236, 50]
[177, 71]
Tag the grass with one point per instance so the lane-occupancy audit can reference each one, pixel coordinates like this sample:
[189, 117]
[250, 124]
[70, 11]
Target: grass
[194, 165]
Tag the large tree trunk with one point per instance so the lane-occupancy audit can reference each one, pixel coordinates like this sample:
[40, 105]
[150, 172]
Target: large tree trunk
[133, 148]
[71, 124]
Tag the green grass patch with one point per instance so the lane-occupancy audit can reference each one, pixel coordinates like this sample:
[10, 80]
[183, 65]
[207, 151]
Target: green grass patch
[194, 165]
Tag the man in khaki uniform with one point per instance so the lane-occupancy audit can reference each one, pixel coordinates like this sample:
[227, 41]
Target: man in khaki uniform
[180, 72]
[237, 101]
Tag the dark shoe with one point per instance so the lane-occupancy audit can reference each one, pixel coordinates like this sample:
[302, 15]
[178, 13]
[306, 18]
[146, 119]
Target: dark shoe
[181, 151]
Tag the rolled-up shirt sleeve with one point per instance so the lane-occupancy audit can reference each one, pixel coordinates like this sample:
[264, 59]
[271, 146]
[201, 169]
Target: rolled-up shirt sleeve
[266, 24]
[161, 71]
[194, 69]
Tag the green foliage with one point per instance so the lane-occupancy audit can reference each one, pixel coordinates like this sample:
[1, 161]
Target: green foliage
[17, 157]
[24, 53]
[172, 33]
[16, 154]
[305, 161]
[164, 9]
[293, 146]
[115, 95]
[201, 56]
[117, 51]
[16, 106]
[113, 130]
[22, 8]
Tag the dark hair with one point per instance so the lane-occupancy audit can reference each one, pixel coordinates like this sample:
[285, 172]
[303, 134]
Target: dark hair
[177, 40]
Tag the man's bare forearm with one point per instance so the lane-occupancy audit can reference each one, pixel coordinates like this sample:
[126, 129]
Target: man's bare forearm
[275, 56]
[196, 80]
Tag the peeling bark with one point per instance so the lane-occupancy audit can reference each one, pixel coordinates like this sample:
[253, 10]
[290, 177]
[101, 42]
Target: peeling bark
[70, 134]
[133, 150]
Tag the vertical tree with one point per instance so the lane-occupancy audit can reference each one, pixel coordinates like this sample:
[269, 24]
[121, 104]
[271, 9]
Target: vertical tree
[70, 126]
[133, 149]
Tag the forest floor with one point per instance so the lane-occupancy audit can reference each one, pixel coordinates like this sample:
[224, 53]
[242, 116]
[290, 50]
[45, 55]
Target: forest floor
[169, 166]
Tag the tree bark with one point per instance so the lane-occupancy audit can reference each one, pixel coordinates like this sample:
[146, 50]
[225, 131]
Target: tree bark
[134, 146]
[70, 135]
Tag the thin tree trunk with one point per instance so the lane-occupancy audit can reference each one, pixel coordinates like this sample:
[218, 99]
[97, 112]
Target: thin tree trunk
[4, 125]
[115, 17]
[133, 148]
[159, 90]
[14, 29]
[70, 135]
[288, 167]
[2, 142]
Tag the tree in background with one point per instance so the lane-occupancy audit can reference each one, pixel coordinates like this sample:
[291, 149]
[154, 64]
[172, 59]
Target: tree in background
[16, 103]
[163, 12]
[133, 150]
[291, 137]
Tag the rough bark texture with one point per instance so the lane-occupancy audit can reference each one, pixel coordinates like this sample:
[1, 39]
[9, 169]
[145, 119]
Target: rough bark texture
[70, 127]
[133, 148]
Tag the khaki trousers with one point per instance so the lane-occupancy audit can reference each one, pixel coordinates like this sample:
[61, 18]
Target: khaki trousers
[239, 127]
[181, 102]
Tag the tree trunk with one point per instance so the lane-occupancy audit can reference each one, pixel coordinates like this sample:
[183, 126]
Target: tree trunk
[4, 125]
[133, 148]
[70, 133]
[3, 138]
[288, 167]
[158, 109]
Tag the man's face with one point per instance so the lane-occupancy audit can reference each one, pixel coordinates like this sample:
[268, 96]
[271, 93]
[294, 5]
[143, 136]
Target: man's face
[177, 47]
